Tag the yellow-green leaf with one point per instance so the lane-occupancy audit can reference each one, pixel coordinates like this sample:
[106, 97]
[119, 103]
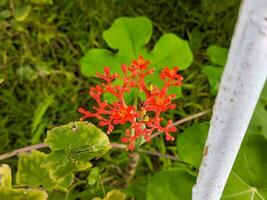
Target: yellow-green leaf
[22, 12]
[248, 179]
[31, 173]
[42, 2]
[22, 194]
[5, 176]
[174, 184]
[73, 145]
[115, 195]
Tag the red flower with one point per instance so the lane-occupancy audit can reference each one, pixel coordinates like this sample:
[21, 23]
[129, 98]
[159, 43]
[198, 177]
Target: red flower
[143, 119]
[122, 114]
[107, 76]
[171, 76]
[140, 63]
[160, 102]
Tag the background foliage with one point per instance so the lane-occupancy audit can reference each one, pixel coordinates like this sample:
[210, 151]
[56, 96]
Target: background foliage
[41, 86]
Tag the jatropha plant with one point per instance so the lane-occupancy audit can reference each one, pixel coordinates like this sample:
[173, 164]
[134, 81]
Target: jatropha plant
[143, 118]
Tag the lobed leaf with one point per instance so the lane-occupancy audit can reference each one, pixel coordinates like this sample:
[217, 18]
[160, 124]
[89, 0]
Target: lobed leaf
[214, 76]
[5, 176]
[58, 194]
[73, 145]
[258, 123]
[128, 36]
[93, 176]
[174, 184]
[115, 195]
[22, 12]
[190, 143]
[31, 173]
[248, 179]
[171, 51]
[22, 194]
[217, 55]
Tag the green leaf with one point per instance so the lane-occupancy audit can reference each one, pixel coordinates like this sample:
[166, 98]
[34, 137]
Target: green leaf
[217, 55]
[5, 14]
[42, 2]
[196, 38]
[93, 176]
[37, 118]
[214, 76]
[22, 194]
[95, 59]
[115, 195]
[57, 195]
[264, 93]
[137, 189]
[22, 12]
[29, 170]
[258, 123]
[248, 180]
[190, 143]
[5, 176]
[171, 51]
[31, 173]
[129, 36]
[259, 119]
[6, 192]
[73, 145]
[174, 184]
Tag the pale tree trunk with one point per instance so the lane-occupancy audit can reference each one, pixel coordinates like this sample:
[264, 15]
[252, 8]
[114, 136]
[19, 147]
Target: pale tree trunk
[243, 79]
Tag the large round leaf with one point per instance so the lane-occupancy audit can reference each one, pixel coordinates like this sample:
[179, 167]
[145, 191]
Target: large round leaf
[129, 36]
[174, 184]
[248, 179]
[22, 194]
[190, 143]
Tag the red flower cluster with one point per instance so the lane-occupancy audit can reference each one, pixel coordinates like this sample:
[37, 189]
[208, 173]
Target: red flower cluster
[144, 118]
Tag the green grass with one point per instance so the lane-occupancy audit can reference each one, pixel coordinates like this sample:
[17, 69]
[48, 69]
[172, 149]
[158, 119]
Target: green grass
[39, 59]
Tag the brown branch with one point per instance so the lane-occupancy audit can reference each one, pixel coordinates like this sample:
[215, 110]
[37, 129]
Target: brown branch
[21, 150]
[134, 158]
[158, 154]
[114, 145]
[118, 145]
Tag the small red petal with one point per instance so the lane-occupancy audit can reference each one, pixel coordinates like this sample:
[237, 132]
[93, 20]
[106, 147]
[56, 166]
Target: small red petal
[169, 137]
[102, 123]
[124, 68]
[81, 110]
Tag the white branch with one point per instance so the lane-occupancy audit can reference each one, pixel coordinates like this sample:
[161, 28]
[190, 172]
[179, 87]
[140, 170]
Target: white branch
[243, 79]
